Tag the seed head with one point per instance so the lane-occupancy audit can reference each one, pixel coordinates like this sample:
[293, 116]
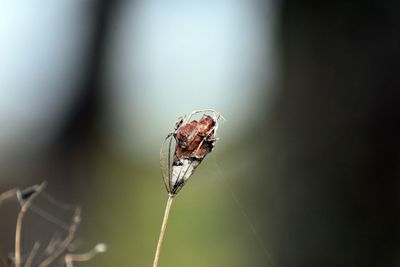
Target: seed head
[193, 141]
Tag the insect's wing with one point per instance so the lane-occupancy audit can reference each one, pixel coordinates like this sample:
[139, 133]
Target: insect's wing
[167, 152]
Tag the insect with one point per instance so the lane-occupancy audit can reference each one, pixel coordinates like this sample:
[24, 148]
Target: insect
[184, 149]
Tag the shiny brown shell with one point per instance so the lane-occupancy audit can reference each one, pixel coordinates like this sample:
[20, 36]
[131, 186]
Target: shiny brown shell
[195, 138]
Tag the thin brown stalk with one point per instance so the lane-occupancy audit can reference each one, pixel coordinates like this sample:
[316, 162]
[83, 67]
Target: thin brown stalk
[68, 239]
[163, 227]
[32, 255]
[70, 258]
[6, 195]
[18, 228]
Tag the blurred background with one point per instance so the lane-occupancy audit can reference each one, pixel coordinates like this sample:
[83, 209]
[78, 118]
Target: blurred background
[306, 169]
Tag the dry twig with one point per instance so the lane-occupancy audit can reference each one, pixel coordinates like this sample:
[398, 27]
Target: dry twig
[162, 232]
[70, 258]
[18, 228]
[32, 255]
[68, 239]
[194, 140]
[56, 246]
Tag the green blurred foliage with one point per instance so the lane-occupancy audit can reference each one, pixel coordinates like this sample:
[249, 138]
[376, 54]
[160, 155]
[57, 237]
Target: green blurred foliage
[208, 224]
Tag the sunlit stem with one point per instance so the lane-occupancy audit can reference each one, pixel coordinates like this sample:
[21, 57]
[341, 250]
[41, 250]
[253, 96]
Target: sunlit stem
[163, 227]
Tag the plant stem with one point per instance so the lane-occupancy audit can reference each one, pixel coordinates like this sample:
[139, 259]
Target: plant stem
[163, 227]
[24, 207]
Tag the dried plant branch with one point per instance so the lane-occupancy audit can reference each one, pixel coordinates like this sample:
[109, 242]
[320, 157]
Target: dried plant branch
[56, 246]
[52, 245]
[70, 258]
[8, 194]
[68, 239]
[163, 227]
[32, 255]
[193, 141]
[18, 228]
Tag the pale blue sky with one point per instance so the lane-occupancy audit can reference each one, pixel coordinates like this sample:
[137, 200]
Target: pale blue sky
[165, 59]
[40, 48]
[169, 58]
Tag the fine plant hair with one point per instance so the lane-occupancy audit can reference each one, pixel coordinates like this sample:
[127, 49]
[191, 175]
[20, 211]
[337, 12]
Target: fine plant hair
[58, 251]
[193, 141]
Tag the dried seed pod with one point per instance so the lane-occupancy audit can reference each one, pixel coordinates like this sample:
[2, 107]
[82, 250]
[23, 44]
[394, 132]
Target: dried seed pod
[193, 141]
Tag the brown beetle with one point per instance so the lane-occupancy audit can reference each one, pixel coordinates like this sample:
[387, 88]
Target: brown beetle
[194, 140]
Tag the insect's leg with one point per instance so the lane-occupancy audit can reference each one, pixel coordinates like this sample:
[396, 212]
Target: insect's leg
[179, 122]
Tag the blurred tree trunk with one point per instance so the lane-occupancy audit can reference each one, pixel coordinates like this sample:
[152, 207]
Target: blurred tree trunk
[337, 129]
[68, 163]
[78, 139]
